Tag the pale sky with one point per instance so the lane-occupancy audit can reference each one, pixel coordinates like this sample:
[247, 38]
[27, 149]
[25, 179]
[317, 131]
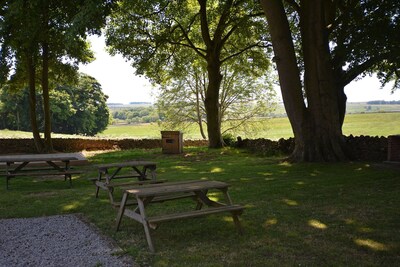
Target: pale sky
[119, 82]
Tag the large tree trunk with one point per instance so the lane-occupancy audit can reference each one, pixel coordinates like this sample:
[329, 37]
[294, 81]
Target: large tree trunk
[211, 103]
[317, 126]
[46, 100]
[32, 104]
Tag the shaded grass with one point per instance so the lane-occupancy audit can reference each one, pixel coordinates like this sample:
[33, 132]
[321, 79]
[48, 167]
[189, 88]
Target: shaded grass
[342, 214]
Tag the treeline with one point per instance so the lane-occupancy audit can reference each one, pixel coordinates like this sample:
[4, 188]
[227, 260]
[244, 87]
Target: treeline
[383, 102]
[75, 109]
[141, 114]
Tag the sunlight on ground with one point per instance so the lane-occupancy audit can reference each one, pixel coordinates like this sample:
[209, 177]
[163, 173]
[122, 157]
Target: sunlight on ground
[265, 173]
[365, 230]
[227, 218]
[183, 168]
[371, 244]
[286, 164]
[290, 202]
[71, 206]
[317, 224]
[366, 166]
[300, 183]
[214, 196]
[269, 179]
[216, 170]
[270, 222]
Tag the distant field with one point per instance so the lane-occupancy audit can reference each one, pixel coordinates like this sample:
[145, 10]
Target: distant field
[374, 124]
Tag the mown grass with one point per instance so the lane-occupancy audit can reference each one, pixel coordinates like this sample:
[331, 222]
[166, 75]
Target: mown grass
[343, 214]
[373, 124]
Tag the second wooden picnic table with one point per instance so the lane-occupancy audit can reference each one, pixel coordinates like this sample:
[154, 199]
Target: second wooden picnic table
[144, 171]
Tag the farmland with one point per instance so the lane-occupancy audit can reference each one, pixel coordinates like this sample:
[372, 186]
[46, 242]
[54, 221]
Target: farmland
[361, 119]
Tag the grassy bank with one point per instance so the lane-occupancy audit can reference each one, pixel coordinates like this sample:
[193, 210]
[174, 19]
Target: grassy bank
[296, 215]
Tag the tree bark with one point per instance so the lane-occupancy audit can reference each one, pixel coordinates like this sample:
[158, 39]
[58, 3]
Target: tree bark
[317, 125]
[32, 104]
[46, 99]
[211, 102]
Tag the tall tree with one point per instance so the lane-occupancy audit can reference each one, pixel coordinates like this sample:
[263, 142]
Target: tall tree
[320, 46]
[245, 94]
[44, 38]
[152, 32]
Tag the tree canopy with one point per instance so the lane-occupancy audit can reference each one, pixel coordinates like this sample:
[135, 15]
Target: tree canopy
[43, 41]
[76, 109]
[162, 36]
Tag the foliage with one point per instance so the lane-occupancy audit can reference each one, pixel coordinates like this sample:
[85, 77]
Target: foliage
[44, 40]
[357, 53]
[244, 95]
[136, 115]
[300, 214]
[79, 109]
[168, 40]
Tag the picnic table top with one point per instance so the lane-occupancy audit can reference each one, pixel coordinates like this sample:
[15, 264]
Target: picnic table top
[132, 163]
[42, 157]
[175, 187]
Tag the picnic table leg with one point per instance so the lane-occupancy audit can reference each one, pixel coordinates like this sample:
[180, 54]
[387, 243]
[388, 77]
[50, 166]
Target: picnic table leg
[97, 186]
[145, 224]
[235, 217]
[121, 209]
[7, 178]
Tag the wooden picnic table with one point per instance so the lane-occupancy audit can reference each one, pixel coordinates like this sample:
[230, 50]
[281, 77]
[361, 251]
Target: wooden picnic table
[42, 165]
[144, 171]
[198, 190]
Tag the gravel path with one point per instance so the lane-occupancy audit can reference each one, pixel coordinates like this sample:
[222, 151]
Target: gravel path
[62, 240]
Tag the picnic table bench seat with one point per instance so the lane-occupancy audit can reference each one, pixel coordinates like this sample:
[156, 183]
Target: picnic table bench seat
[234, 209]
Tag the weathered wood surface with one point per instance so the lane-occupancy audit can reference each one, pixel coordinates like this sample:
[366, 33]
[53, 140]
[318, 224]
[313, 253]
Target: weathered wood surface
[196, 213]
[176, 187]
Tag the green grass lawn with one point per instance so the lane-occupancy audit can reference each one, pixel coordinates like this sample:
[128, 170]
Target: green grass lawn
[344, 214]
[373, 124]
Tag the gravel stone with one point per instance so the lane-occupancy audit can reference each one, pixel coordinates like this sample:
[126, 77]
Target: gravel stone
[61, 240]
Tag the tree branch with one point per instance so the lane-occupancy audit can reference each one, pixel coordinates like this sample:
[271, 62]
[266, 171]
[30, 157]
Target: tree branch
[222, 22]
[203, 22]
[352, 73]
[293, 4]
[244, 50]
[186, 36]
